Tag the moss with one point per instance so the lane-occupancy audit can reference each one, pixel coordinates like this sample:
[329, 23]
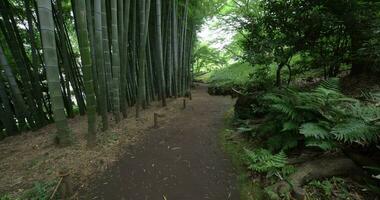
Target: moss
[234, 147]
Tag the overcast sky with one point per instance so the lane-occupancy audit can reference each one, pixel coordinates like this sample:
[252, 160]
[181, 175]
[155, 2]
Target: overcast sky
[214, 34]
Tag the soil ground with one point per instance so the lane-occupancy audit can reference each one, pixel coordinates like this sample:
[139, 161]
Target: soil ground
[181, 160]
[32, 157]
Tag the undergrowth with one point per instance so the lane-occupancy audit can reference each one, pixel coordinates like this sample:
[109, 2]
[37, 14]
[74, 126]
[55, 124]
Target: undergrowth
[334, 188]
[235, 146]
[234, 75]
[322, 119]
[40, 191]
[222, 81]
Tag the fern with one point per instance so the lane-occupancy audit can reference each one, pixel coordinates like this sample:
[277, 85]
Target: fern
[331, 84]
[371, 96]
[355, 130]
[325, 145]
[262, 161]
[289, 126]
[323, 116]
[282, 142]
[281, 104]
[314, 130]
[369, 113]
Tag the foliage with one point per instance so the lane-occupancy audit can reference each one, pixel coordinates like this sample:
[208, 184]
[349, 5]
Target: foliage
[263, 161]
[5, 197]
[207, 59]
[40, 191]
[75, 71]
[323, 117]
[235, 147]
[321, 35]
[234, 75]
[334, 188]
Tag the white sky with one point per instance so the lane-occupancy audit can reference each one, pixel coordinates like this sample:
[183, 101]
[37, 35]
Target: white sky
[217, 36]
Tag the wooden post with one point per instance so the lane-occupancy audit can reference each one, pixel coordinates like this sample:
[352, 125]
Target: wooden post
[184, 103]
[66, 187]
[155, 120]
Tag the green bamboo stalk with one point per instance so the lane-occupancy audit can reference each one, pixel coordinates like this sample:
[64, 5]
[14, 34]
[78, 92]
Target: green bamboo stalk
[141, 60]
[175, 48]
[6, 114]
[115, 62]
[125, 62]
[85, 51]
[51, 61]
[100, 64]
[107, 57]
[159, 53]
[35, 66]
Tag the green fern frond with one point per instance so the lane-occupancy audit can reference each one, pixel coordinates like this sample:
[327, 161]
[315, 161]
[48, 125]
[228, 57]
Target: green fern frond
[262, 161]
[356, 130]
[369, 113]
[285, 109]
[272, 98]
[314, 130]
[372, 96]
[325, 145]
[331, 84]
[327, 93]
[283, 141]
[289, 126]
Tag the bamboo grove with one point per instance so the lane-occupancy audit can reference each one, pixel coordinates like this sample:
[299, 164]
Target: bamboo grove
[94, 57]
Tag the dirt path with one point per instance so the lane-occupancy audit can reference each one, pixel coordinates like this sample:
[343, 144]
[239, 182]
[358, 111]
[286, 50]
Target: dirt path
[181, 160]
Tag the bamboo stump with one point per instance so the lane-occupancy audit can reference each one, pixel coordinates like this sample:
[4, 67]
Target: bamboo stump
[184, 104]
[66, 185]
[155, 120]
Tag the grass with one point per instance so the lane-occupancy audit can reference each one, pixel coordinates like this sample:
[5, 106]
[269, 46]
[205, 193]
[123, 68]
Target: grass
[235, 74]
[40, 191]
[234, 145]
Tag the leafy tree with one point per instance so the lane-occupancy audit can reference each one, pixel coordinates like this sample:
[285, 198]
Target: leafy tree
[327, 34]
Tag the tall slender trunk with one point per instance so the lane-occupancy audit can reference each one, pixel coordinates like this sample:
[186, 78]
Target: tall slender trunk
[175, 48]
[84, 46]
[107, 57]
[125, 62]
[100, 64]
[115, 62]
[35, 65]
[141, 60]
[159, 53]
[7, 117]
[51, 62]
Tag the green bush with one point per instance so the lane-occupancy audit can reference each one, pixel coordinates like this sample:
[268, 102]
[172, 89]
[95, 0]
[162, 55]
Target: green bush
[237, 74]
[323, 117]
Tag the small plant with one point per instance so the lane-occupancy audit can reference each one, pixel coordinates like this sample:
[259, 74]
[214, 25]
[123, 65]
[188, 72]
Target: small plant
[5, 197]
[334, 188]
[263, 161]
[40, 191]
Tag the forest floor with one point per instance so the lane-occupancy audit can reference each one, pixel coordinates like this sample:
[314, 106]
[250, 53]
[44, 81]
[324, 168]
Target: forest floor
[182, 159]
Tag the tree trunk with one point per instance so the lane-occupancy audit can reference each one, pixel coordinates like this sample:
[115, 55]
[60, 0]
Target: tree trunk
[51, 61]
[100, 63]
[84, 46]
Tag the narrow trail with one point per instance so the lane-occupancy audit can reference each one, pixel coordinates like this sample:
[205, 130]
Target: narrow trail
[182, 160]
